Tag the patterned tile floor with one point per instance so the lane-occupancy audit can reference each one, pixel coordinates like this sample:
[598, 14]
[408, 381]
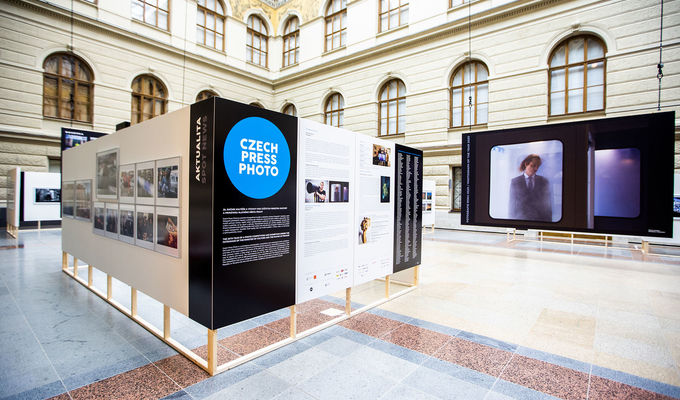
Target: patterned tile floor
[490, 320]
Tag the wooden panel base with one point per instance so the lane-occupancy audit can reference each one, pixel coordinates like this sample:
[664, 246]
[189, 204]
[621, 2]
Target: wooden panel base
[210, 364]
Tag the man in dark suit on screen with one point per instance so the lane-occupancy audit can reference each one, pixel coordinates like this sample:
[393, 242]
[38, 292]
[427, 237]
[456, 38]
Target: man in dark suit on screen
[530, 198]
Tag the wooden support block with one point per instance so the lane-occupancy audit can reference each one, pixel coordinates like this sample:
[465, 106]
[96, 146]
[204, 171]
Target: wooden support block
[133, 301]
[109, 287]
[645, 247]
[293, 322]
[348, 301]
[416, 273]
[212, 351]
[64, 260]
[387, 286]
[75, 267]
[89, 276]
[166, 322]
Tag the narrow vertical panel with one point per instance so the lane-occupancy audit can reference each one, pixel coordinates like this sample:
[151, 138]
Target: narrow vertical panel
[408, 212]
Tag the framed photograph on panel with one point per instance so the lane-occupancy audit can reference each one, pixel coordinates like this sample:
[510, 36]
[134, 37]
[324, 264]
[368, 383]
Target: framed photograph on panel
[145, 182]
[112, 220]
[84, 190]
[167, 182]
[107, 175]
[126, 217]
[144, 218]
[167, 231]
[68, 197]
[45, 195]
[127, 183]
[99, 225]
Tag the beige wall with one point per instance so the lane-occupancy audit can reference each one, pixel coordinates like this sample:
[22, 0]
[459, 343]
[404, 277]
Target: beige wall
[513, 38]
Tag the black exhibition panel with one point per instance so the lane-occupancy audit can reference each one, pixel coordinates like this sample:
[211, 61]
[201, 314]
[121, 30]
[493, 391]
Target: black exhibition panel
[408, 213]
[650, 140]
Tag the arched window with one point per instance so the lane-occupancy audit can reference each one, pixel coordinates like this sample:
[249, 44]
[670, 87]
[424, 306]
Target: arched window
[336, 22]
[205, 94]
[256, 42]
[291, 38]
[469, 80]
[67, 88]
[577, 76]
[256, 104]
[334, 111]
[149, 98]
[392, 108]
[154, 12]
[290, 110]
[210, 18]
[393, 13]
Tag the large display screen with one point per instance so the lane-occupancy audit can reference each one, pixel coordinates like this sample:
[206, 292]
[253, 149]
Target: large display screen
[610, 175]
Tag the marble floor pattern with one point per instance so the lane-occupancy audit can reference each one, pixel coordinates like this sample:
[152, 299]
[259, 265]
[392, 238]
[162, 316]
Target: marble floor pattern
[491, 319]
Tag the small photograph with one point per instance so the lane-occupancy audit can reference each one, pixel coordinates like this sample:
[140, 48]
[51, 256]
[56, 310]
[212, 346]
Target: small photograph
[84, 190]
[526, 181]
[99, 218]
[676, 206]
[107, 174]
[167, 182]
[84, 210]
[68, 191]
[74, 140]
[384, 189]
[339, 191]
[428, 207]
[315, 191]
[127, 223]
[429, 195]
[167, 231]
[112, 220]
[67, 209]
[144, 226]
[424, 195]
[381, 155]
[47, 195]
[145, 183]
[127, 183]
[364, 226]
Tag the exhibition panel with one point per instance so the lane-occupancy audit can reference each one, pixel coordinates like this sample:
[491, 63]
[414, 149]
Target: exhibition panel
[612, 175]
[225, 212]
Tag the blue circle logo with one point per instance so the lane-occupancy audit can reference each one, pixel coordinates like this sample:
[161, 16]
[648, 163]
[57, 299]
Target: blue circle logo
[256, 157]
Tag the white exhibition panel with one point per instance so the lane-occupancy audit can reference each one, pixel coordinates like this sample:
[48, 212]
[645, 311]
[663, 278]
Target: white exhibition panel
[429, 201]
[161, 276]
[13, 196]
[374, 210]
[37, 211]
[324, 221]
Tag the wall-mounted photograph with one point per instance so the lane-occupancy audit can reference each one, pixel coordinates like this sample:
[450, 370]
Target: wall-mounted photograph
[526, 181]
[167, 231]
[126, 217]
[316, 191]
[127, 183]
[68, 199]
[144, 220]
[338, 191]
[381, 155]
[145, 182]
[107, 174]
[99, 223]
[84, 190]
[112, 220]
[364, 230]
[384, 189]
[167, 182]
[43, 195]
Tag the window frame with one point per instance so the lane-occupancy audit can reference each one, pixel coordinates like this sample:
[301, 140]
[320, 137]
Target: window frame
[388, 12]
[340, 111]
[143, 96]
[584, 64]
[149, 4]
[214, 32]
[201, 95]
[330, 18]
[475, 83]
[387, 101]
[453, 188]
[287, 36]
[250, 48]
[76, 83]
[287, 107]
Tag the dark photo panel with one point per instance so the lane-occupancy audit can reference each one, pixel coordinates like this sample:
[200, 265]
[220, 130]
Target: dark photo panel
[602, 175]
